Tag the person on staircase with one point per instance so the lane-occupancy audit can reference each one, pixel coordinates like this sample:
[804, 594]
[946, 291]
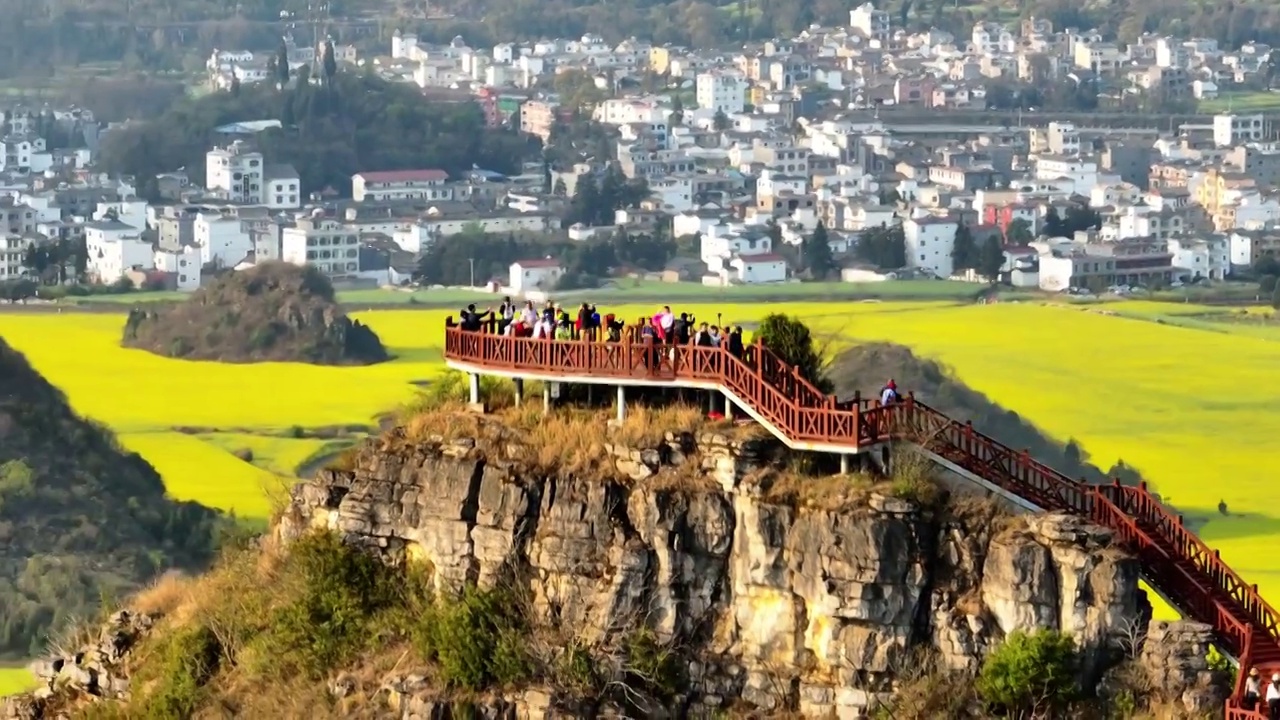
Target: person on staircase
[889, 394]
[1273, 697]
[1252, 690]
[735, 342]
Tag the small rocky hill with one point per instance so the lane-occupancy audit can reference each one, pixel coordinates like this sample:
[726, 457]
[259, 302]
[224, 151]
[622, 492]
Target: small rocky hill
[81, 520]
[272, 312]
[517, 566]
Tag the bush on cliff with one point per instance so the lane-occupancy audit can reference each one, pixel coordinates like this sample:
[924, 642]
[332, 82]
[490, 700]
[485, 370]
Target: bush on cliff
[1031, 674]
[272, 312]
[80, 518]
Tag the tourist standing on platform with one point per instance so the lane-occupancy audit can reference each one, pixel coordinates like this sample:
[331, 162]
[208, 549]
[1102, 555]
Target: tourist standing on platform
[1252, 690]
[703, 337]
[889, 395]
[666, 323]
[471, 319]
[735, 342]
[506, 314]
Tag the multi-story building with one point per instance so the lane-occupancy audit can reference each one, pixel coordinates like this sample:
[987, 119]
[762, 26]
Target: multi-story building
[1229, 130]
[326, 244]
[235, 172]
[929, 242]
[221, 239]
[184, 265]
[1139, 261]
[395, 185]
[115, 248]
[11, 250]
[720, 91]
[15, 217]
[870, 22]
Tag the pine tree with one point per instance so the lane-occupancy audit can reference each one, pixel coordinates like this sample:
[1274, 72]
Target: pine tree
[964, 251]
[1053, 225]
[329, 63]
[816, 251]
[677, 110]
[282, 64]
[721, 121]
[991, 259]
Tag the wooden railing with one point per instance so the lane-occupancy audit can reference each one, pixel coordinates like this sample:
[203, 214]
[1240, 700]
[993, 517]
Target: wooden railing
[1176, 562]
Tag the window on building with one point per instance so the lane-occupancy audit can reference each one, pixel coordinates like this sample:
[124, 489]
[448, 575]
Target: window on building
[311, 254]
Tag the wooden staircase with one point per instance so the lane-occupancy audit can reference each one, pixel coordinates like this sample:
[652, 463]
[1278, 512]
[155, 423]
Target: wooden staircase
[1191, 576]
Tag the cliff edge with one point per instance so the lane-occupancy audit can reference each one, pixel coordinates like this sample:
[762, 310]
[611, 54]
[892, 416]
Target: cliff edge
[535, 568]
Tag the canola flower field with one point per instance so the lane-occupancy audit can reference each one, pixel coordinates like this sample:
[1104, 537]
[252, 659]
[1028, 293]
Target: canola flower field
[15, 680]
[1180, 392]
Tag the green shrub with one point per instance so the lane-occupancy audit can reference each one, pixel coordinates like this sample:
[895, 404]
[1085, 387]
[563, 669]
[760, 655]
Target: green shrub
[186, 662]
[652, 665]
[477, 638]
[1030, 674]
[342, 590]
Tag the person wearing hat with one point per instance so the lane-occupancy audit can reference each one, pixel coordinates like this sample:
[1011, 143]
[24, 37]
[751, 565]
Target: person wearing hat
[1252, 689]
[1273, 697]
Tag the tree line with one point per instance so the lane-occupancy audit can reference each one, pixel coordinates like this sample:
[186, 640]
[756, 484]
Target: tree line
[331, 130]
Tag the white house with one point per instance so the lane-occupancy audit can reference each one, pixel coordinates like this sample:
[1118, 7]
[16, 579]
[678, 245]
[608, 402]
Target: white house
[11, 251]
[528, 275]
[929, 242]
[759, 268]
[221, 239]
[235, 172]
[390, 185]
[1208, 258]
[720, 91]
[184, 266]
[115, 248]
[129, 212]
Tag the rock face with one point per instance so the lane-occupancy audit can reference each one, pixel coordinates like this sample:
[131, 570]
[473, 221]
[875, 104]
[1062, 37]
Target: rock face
[271, 312]
[785, 607]
[1174, 655]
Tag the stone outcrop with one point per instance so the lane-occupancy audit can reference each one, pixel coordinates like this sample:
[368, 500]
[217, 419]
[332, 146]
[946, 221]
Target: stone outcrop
[784, 606]
[94, 671]
[1174, 657]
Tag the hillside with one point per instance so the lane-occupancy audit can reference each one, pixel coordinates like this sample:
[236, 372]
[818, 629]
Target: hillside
[81, 521]
[271, 312]
[516, 565]
[866, 368]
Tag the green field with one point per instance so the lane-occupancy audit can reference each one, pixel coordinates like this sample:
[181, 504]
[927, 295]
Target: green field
[1181, 392]
[15, 680]
[1241, 102]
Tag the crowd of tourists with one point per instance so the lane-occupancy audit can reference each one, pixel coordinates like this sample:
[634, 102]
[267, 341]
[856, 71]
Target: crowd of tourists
[553, 322]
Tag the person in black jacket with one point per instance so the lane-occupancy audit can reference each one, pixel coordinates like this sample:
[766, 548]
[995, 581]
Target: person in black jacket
[735, 342]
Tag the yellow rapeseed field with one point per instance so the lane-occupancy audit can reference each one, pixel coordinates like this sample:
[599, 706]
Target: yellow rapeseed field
[15, 680]
[1189, 405]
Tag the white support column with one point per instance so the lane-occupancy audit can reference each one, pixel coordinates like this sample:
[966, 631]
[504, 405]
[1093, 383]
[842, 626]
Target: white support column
[475, 388]
[622, 403]
[519, 383]
[728, 407]
[844, 463]
[546, 398]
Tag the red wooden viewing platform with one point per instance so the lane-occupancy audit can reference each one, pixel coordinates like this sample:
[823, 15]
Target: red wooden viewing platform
[1192, 577]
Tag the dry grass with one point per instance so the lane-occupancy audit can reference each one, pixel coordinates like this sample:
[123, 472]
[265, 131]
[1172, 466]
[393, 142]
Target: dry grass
[829, 493]
[566, 440]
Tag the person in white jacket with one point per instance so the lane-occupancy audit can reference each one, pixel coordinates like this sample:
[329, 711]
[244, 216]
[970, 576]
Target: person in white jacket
[1273, 697]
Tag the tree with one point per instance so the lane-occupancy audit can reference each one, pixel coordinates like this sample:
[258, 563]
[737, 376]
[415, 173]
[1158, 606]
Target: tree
[964, 252]
[721, 121]
[791, 340]
[36, 258]
[1030, 675]
[282, 64]
[991, 259]
[677, 110]
[1275, 297]
[329, 63]
[1053, 225]
[1018, 232]
[1266, 284]
[816, 252]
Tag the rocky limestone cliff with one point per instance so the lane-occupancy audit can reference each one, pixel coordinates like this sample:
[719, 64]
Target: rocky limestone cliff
[786, 605]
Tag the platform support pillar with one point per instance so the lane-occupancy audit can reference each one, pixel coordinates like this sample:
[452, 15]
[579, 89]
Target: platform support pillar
[519, 383]
[475, 387]
[622, 403]
[844, 463]
[728, 407]
[546, 398]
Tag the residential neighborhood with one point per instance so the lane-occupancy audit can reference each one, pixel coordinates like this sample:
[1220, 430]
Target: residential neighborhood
[894, 149]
